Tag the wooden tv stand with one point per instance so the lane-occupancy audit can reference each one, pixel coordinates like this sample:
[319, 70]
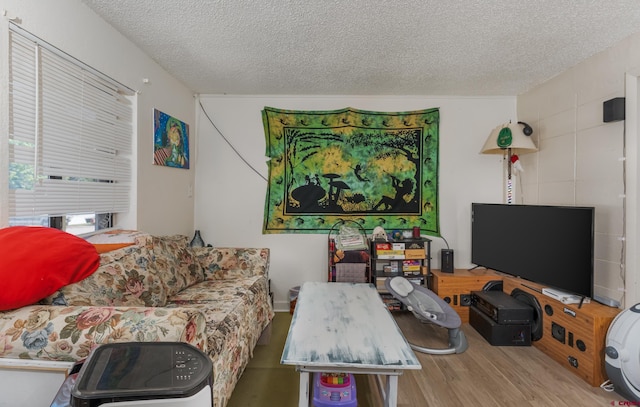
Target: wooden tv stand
[455, 288]
[580, 349]
[585, 331]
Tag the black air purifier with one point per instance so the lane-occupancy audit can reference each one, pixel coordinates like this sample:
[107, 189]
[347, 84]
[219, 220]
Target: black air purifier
[446, 260]
[141, 374]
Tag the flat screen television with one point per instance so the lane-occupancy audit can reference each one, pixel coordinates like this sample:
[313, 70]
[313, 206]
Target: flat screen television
[549, 245]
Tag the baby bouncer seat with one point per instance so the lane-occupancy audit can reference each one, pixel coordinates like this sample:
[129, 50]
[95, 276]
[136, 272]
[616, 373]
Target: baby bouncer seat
[427, 307]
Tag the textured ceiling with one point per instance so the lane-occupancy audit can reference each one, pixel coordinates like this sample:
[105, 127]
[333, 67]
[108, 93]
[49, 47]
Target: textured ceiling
[369, 47]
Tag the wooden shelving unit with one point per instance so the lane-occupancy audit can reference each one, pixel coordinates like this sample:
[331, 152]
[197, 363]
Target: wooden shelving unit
[411, 260]
[348, 263]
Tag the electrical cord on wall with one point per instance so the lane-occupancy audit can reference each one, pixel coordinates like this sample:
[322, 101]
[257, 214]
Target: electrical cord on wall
[229, 143]
[445, 241]
[245, 161]
[623, 247]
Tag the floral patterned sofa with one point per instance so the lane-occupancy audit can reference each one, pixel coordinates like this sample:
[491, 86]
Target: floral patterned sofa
[158, 289]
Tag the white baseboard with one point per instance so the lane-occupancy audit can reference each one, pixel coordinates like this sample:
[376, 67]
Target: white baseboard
[281, 306]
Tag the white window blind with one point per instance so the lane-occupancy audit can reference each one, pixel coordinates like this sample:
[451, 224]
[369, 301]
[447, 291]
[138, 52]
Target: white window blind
[70, 133]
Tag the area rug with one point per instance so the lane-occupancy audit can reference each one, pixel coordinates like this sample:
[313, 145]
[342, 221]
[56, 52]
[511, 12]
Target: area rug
[266, 383]
[374, 168]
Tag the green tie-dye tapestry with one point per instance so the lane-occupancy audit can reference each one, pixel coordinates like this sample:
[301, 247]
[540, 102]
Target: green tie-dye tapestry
[374, 168]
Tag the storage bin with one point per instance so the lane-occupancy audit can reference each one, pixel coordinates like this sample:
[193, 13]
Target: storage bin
[293, 298]
[351, 272]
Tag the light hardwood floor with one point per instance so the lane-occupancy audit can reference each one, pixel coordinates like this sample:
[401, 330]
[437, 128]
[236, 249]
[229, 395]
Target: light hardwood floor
[489, 376]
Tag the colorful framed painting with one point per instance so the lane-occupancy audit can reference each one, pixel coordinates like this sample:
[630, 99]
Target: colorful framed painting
[170, 141]
[374, 168]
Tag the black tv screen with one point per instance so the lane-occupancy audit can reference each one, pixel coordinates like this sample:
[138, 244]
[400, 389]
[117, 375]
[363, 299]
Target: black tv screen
[549, 245]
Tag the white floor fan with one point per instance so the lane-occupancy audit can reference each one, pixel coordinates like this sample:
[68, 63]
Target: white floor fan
[622, 353]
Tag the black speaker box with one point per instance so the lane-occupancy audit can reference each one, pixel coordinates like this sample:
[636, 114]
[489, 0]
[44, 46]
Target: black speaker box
[558, 332]
[493, 285]
[446, 261]
[532, 301]
[501, 308]
[613, 110]
[499, 334]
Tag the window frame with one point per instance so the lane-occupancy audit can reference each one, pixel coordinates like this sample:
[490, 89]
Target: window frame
[99, 187]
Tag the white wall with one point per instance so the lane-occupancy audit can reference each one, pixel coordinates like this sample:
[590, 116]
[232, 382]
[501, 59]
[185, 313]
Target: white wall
[579, 159]
[230, 196]
[161, 193]
[578, 162]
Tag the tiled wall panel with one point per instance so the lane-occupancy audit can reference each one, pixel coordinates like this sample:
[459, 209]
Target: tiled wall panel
[556, 159]
[579, 158]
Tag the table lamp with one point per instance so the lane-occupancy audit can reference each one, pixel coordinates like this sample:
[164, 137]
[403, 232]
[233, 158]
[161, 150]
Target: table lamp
[510, 139]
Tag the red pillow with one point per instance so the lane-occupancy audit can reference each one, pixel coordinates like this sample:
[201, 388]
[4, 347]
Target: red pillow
[37, 261]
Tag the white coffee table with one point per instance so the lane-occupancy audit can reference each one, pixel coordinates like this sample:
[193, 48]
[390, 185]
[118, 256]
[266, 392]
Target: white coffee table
[345, 327]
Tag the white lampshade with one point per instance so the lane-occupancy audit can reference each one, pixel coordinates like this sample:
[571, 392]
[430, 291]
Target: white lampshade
[520, 142]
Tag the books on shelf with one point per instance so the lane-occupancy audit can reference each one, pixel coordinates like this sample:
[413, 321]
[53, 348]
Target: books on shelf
[391, 256]
[388, 252]
[395, 254]
[383, 246]
[410, 266]
[391, 302]
[415, 254]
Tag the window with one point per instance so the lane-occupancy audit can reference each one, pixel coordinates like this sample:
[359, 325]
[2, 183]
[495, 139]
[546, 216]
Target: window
[70, 132]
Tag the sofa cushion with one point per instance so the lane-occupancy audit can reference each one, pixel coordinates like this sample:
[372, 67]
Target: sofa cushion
[221, 295]
[36, 261]
[232, 262]
[70, 333]
[246, 298]
[236, 312]
[175, 263]
[126, 277]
